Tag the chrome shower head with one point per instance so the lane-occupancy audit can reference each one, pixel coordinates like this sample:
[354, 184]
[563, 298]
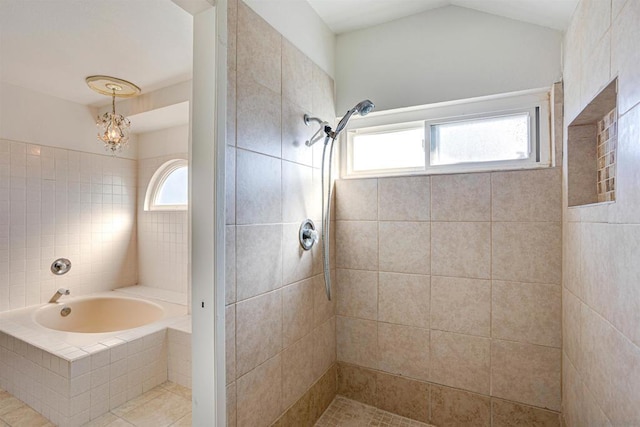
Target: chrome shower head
[362, 108]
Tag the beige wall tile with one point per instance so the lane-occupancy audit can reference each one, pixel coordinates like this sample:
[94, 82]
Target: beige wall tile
[230, 342]
[597, 277]
[403, 396]
[460, 361]
[404, 299]
[231, 405]
[571, 318]
[507, 413]
[403, 350]
[297, 264]
[533, 195]
[260, 395]
[258, 189]
[296, 70]
[461, 249]
[357, 383]
[259, 50]
[625, 57]
[297, 192]
[404, 199]
[357, 199]
[295, 133]
[357, 245]
[571, 257]
[258, 122]
[526, 373]
[230, 185]
[357, 341]
[527, 312]
[627, 207]
[357, 293]
[323, 392]
[527, 252]
[230, 264]
[297, 311]
[323, 309]
[461, 305]
[465, 197]
[232, 104]
[625, 253]
[451, 407]
[596, 69]
[297, 370]
[610, 368]
[323, 98]
[258, 330]
[256, 273]
[405, 247]
[324, 347]
[579, 407]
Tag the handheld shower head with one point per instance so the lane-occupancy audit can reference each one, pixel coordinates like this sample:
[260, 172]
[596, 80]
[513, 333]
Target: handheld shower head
[362, 108]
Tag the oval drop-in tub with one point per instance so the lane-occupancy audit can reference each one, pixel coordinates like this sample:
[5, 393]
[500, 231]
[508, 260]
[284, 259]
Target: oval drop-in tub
[98, 314]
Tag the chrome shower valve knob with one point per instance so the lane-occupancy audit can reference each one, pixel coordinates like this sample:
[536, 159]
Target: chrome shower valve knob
[308, 234]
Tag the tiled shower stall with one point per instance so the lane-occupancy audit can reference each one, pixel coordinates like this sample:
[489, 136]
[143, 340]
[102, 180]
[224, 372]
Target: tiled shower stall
[447, 302]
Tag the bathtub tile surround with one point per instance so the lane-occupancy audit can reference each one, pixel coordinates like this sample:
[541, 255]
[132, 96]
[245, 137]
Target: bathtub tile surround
[601, 342]
[64, 203]
[281, 344]
[72, 379]
[162, 236]
[466, 302]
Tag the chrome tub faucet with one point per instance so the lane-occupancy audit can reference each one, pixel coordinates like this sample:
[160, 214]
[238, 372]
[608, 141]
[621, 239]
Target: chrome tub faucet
[59, 293]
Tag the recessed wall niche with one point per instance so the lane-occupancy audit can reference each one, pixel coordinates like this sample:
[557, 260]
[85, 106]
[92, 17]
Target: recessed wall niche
[591, 150]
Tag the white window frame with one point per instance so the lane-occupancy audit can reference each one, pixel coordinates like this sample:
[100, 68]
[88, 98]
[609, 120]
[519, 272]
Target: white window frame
[534, 102]
[155, 184]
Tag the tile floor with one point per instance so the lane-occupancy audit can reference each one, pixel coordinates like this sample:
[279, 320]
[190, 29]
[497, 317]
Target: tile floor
[168, 404]
[344, 412]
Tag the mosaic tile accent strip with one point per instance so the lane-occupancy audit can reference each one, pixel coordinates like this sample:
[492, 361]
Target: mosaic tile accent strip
[348, 413]
[607, 140]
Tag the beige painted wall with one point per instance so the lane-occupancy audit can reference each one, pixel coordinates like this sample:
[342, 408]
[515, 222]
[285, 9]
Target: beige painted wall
[601, 284]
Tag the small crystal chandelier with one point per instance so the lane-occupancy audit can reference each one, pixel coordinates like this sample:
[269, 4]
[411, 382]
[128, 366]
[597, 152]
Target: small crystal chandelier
[113, 128]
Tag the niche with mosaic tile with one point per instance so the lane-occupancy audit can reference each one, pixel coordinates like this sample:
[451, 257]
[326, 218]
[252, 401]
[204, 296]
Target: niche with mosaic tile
[592, 150]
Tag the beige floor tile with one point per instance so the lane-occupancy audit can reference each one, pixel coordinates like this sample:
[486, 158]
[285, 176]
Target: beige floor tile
[164, 410]
[24, 416]
[177, 389]
[8, 403]
[119, 422]
[104, 420]
[138, 401]
[183, 422]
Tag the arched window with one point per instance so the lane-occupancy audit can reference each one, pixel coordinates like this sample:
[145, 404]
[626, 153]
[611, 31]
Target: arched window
[169, 187]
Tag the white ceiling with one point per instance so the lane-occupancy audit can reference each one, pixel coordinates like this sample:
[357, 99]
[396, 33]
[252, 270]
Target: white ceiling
[347, 15]
[50, 46]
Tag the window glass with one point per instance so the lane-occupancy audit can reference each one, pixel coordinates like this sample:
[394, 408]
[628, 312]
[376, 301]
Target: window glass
[174, 189]
[399, 149]
[486, 139]
[168, 188]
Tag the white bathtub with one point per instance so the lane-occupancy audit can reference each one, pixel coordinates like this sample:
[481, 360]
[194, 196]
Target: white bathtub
[111, 348]
[93, 319]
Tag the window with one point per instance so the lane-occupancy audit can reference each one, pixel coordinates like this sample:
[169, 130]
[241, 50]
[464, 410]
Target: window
[490, 133]
[168, 188]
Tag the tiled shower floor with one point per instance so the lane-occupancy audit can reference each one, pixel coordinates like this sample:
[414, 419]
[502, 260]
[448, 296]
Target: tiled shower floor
[347, 413]
[166, 405]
